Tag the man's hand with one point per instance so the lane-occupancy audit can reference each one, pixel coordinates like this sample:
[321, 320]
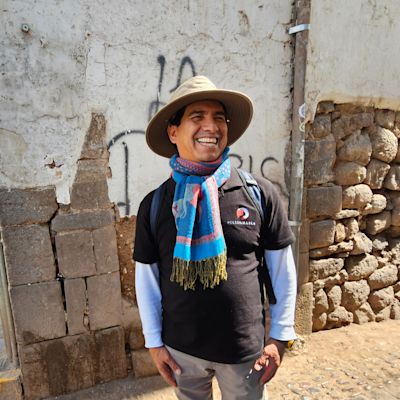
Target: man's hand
[165, 364]
[270, 359]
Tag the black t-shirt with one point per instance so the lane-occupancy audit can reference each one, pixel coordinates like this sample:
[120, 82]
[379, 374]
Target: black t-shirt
[224, 324]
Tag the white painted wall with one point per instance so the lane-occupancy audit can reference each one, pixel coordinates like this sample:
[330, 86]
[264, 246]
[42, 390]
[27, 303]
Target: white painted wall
[354, 53]
[118, 57]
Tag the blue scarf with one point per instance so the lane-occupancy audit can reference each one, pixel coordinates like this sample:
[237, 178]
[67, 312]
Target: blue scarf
[200, 250]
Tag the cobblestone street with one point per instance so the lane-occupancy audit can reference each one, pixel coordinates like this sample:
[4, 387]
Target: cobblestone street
[358, 362]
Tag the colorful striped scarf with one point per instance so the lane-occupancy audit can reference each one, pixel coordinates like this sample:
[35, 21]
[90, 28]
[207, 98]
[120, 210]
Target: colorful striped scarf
[200, 250]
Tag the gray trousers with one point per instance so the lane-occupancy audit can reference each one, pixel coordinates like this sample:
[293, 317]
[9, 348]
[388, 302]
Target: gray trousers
[234, 380]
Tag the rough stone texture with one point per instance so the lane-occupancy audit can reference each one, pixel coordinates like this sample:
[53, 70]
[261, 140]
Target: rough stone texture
[395, 199]
[377, 205]
[322, 233]
[357, 148]
[38, 312]
[320, 156]
[351, 227]
[363, 314]
[304, 304]
[334, 295]
[95, 146]
[360, 267]
[376, 173]
[104, 293]
[379, 299]
[82, 220]
[324, 201]
[27, 206]
[339, 317]
[325, 107]
[383, 277]
[28, 254]
[319, 322]
[357, 196]
[143, 364]
[349, 173]
[337, 279]
[58, 366]
[340, 232]
[321, 302]
[396, 217]
[90, 189]
[385, 118]
[378, 222]
[379, 242]
[109, 357]
[354, 294]
[392, 180]
[75, 254]
[321, 127]
[395, 310]
[344, 214]
[343, 247]
[320, 269]
[384, 314]
[132, 325]
[397, 158]
[10, 385]
[384, 145]
[105, 249]
[361, 244]
[75, 297]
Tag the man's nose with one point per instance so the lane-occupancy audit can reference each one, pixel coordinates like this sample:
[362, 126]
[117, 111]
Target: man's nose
[209, 125]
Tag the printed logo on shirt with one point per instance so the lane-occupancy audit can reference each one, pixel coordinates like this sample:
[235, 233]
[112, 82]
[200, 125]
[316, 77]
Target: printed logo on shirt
[242, 214]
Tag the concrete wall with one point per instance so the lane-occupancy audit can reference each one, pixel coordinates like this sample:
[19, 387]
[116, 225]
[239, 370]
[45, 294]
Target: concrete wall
[123, 59]
[353, 53]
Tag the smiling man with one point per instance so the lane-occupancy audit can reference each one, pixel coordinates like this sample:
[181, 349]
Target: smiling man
[200, 246]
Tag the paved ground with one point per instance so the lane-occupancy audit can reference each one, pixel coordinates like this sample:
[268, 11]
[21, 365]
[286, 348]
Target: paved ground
[359, 362]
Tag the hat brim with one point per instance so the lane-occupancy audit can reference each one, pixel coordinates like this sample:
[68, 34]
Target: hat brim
[239, 109]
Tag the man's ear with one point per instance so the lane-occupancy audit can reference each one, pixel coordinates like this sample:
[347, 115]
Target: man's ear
[171, 130]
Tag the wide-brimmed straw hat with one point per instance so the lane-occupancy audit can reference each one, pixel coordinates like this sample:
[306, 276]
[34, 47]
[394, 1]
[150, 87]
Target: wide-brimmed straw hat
[239, 109]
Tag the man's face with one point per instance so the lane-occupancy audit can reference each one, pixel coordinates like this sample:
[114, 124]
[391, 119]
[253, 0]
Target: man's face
[203, 132]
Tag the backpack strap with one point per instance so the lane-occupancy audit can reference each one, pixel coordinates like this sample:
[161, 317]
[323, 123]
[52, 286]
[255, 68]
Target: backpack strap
[257, 197]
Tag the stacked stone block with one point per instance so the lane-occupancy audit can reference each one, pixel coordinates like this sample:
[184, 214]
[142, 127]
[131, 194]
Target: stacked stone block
[352, 179]
[63, 275]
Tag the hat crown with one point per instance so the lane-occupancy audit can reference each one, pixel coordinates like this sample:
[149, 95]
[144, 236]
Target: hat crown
[196, 84]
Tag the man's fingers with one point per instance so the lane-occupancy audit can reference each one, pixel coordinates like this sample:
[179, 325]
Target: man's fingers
[174, 365]
[269, 372]
[166, 373]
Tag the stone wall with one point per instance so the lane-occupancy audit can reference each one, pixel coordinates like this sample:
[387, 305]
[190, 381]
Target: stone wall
[64, 282]
[352, 208]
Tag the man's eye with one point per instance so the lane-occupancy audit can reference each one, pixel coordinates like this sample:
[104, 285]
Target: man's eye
[196, 118]
[220, 118]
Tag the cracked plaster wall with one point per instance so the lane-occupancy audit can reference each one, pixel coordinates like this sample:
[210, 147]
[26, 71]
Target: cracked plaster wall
[353, 53]
[122, 59]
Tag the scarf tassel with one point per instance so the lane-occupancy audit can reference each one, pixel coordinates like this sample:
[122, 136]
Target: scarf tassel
[210, 271]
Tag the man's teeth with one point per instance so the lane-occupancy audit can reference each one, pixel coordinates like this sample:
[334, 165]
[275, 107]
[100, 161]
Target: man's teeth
[207, 140]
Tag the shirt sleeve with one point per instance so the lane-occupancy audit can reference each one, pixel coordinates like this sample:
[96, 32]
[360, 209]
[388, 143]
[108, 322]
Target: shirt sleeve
[282, 271]
[145, 249]
[148, 296]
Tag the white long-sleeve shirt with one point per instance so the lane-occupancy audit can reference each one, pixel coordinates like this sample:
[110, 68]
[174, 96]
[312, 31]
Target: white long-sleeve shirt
[282, 271]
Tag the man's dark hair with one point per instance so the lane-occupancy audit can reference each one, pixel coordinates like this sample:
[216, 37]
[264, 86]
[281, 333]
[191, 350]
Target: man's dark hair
[177, 117]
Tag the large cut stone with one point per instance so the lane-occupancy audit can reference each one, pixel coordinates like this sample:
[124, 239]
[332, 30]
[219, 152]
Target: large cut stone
[363, 314]
[58, 366]
[28, 254]
[75, 298]
[82, 220]
[27, 206]
[361, 244]
[104, 293]
[376, 173]
[357, 147]
[377, 223]
[143, 364]
[38, 312]
[357, 196]
[349, 173]
[320, 269]
[75, 254]
[322, 233]
[105, 249]
[384, 145]
[109, 358]
[383, 277]
[379, 299]
[360, 267]
[324, 201]
[354, 294]
[320, 156]
[392, 180]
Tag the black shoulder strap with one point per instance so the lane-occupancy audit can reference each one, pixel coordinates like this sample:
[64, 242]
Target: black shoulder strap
[155, 207]
[256, 195]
